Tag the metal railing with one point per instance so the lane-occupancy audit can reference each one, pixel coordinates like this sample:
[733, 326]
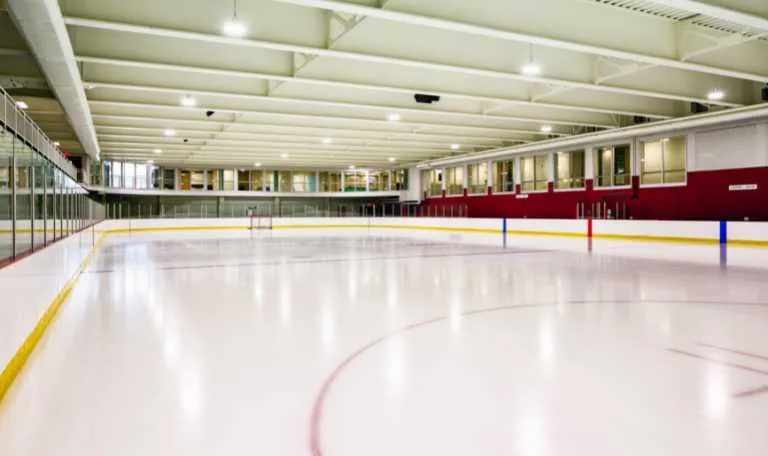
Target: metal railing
[19, 123]
[237, 209]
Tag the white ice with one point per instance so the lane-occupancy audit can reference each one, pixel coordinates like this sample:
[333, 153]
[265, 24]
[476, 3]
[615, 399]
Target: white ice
[343, 343]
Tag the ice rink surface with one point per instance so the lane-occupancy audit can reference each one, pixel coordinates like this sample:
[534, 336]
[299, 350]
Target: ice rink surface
[350, 344]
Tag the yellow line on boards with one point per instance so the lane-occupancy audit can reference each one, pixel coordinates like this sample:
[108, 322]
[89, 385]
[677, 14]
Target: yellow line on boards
[20, 358]
[651, 238]
[748, 243]
[547, 233]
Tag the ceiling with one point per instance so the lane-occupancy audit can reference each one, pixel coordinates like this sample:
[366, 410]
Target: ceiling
[21, 77]
[318, 83]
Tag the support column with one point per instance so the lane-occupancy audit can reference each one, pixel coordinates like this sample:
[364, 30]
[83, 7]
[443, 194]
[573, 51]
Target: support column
[551, 172]
[518, 175]
[589, 169]
[465, 184]
[491, 176]
[367, 180]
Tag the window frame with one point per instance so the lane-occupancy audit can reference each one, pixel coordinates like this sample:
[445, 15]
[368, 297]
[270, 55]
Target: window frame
[556, 180]
[535, 180]
[597, 149]
[661, 141]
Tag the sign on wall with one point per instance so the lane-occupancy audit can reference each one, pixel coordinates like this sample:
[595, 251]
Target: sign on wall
[742, 187]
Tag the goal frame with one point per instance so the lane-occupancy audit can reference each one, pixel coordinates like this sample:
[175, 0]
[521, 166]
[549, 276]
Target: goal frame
[259, 220]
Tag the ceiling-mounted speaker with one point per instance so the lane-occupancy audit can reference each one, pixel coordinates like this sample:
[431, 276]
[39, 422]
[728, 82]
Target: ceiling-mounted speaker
[765, 93]
[426, 98]
[698, 108]
[640, 119]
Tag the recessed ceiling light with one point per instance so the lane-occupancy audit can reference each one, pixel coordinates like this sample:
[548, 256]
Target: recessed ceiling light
[392, 159]
[234, 28]
[188, 101]
[455, 146]
[283, 155]
[22, 105]
[169, 132]
[532, 69]
[351, 166]
[157, 151]
[256, 165]
[716, 95]
[546, 129]
[56, 143]
[394, 117]
[327, 140]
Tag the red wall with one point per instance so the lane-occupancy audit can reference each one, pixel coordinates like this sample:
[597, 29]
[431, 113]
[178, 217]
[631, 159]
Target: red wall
[705, 197]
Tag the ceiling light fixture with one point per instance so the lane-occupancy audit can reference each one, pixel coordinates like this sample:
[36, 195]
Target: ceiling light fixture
[546, 129]
[351, 166]
[188, 101]
[56, 143]
[455, 146]
[157, 151]
[283, 155]
[169, 132]
[716, 95]
[327, 140]
[235, 27]
[256, 165]
[394, 117]
[150, 162]
[531, 69]
[392, 159]
[22, 105]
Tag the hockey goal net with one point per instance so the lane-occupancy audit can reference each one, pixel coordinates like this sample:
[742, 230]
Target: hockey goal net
[260, 220]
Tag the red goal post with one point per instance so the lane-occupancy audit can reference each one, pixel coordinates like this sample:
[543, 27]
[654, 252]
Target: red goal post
[259, 219]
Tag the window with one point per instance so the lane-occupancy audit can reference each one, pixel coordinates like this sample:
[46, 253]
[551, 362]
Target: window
[243, 181]
[141, 177]
[197, 180]
[613, 166]
[478, 178]
[569, 169]
[663, 162]
[229, 180]
[504, 176]
[169, 179]
[432, 182]
[330, 181]
[117, 174]
[378, 181]
[534, 173]
[454, 180]
[354, 181]
[129, 175]
[303, 182]
[400, 177]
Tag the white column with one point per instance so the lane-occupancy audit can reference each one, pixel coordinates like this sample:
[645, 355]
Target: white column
[589, 167]
[466, 176]
[367, 180]
[205, 180]
[518, 172]
[636, 145]
[415, 192]
[550, 168]
[489, 173]
[390, 176]
[762, 144]
[342, 180]
[444, 185]
[690, 152]
[317, 181]
[177, 179]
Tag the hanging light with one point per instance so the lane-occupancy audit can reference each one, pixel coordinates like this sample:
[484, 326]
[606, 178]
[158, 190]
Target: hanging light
[531, 69]
[546, 129]
[188, 101]
[716, 95]
[235, 27]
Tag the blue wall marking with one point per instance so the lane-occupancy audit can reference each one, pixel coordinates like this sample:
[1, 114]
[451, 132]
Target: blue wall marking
[504, 231]
[723, 232]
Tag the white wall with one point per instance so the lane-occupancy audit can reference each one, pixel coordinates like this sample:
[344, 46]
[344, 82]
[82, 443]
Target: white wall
[730, 148]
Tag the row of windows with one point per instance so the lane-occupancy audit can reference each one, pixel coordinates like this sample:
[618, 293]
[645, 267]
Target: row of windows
[129, 175]
[661, 162]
